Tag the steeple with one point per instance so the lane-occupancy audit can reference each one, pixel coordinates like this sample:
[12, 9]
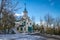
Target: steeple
[25, 11]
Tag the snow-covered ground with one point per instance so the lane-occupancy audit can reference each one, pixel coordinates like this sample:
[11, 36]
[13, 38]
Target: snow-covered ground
[18, 37]
[23, 37]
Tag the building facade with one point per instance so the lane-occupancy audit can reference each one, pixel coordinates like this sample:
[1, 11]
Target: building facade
[25, 23]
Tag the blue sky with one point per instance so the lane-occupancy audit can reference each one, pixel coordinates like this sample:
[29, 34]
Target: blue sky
[39, 8]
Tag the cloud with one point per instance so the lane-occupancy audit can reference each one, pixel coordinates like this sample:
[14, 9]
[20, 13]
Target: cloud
[43, 22]
[18, 14]
[37, 23]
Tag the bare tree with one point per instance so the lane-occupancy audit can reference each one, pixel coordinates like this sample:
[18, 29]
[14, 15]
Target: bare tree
[57, 22]
[41, 21]
[56, 25]
[33, 19]
[48, 19]
[7, 11]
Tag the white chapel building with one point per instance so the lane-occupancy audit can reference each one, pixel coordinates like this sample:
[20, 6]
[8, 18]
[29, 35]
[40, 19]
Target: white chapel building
[25, 23]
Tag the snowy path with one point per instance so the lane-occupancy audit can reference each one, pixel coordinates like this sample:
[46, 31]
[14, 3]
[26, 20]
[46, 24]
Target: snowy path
[18, 37]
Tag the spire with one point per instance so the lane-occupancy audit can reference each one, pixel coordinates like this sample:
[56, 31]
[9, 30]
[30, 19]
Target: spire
[25, 5]
[25, 11]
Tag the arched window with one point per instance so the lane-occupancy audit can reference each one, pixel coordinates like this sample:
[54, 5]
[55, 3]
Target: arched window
[30, 23]
[24, 23]
[21, 28]
[27, 23]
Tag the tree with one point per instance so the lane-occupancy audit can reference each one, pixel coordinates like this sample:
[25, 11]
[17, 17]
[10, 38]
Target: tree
[49, 19]
[58, 24]
[41, 21]
[58, 21]
[33, 20]
[41, 29]
[7, 11]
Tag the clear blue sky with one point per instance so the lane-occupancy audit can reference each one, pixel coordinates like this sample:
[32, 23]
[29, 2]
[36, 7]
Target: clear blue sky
[39, 8]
